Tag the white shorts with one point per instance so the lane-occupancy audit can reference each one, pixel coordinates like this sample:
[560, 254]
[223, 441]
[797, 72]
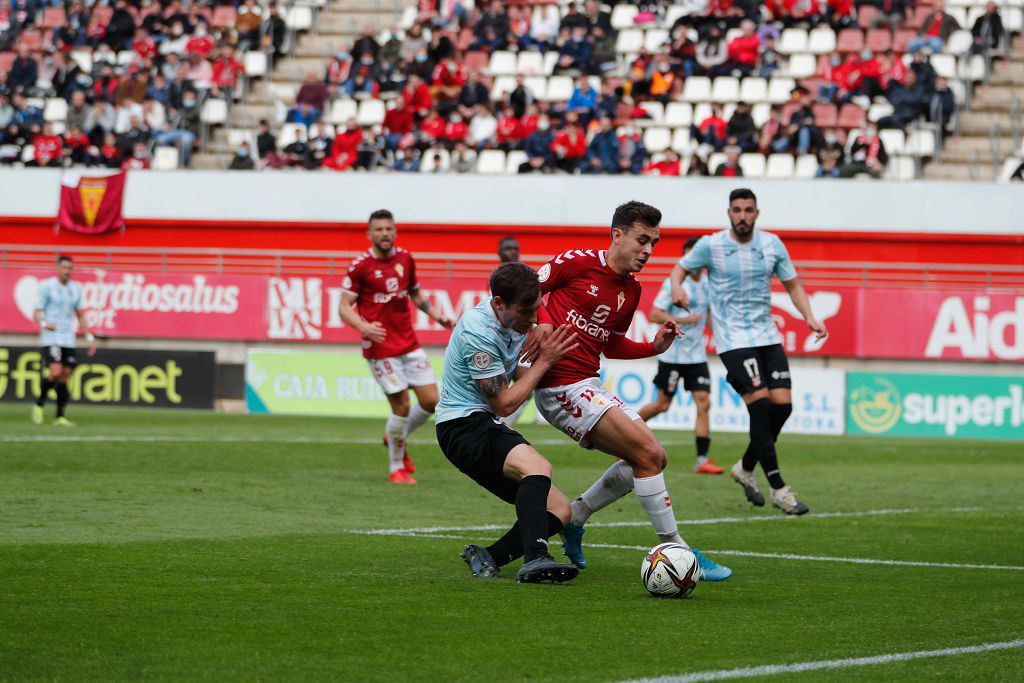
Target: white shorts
[576, 408]
[399, 373]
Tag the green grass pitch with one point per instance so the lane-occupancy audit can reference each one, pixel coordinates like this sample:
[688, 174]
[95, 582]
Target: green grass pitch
[149, 545]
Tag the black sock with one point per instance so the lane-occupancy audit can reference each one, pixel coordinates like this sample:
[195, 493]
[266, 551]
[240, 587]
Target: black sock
[780, 413]
[509, 547]
[531, 511]
[703, 446]
[762, 441]
[62, 398]
[47, 385]
[750, 458]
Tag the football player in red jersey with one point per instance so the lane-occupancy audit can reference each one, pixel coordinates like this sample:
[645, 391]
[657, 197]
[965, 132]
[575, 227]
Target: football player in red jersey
[380, 284]
[597, 293]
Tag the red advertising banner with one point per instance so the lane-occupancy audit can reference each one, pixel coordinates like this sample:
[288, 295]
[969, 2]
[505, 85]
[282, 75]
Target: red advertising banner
[91, 204]
[863, 323]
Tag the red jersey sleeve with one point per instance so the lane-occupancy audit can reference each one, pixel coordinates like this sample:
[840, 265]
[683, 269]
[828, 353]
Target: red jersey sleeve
[560, 270]
[353, 282]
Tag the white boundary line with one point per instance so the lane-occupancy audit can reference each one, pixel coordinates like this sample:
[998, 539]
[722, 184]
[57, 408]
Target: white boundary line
[414, 531]
[171, 438]
[776, 669]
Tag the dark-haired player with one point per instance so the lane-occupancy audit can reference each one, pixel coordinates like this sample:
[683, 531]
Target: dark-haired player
[508, 252]
[380, 284]
[741, 262]
[596, 293]
[60, 304]
[686, 361]
[479, 364]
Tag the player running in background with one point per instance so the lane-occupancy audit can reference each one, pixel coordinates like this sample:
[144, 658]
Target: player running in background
[479, 363]
[380, 284]
[686, 360]
[596, 293]
[741, 262]
[60, 303]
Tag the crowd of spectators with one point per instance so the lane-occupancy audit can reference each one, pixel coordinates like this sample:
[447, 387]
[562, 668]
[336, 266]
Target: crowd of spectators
[442, 115]
[133, 73]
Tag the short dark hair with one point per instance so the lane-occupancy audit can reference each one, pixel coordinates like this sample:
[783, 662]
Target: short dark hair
[515, 283]
[381, 214]
[630, 213]
[510, 238]
[690, 243]
[742, 193]
[63, 257]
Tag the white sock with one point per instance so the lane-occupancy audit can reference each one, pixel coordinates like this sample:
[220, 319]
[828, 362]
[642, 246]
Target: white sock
[653, 496]
[417, 416]
[396, 441]
[615, 483]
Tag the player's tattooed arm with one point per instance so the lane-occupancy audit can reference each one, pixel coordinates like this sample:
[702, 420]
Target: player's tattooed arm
[490, 387]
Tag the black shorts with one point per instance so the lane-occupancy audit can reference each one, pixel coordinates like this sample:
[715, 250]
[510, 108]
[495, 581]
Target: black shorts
[756, 368]
[695, 376]
[478, 445]
[60, 354]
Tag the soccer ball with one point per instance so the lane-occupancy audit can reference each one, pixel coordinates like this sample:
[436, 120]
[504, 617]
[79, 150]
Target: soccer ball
[670, 570]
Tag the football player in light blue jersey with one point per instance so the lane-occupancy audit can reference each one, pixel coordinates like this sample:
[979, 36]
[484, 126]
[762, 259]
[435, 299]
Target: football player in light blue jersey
[741, 262]
[508, 252]
[686, 360]
[60, 303]
[481, 359]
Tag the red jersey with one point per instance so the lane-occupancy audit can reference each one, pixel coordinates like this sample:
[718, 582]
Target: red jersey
[381, 287]
[598, 303]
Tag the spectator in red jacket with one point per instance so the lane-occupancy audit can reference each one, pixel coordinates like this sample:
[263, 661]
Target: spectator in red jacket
[49, 148]
[144, 45]
[893, 70]
[841, 14]
[339, 70]
[448, 79]
[570, 144]
[76, 143]
[226, 70]
[345, 149]
[509, 134]
[139, 160]
[711, 130]
[398, 126]
[200, 43]
[456, 130]
[431, 129]
[670, 165]
[743, 50]
[417, 96]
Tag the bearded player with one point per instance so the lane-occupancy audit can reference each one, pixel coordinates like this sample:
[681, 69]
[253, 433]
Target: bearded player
[596, 293]
[380, 284]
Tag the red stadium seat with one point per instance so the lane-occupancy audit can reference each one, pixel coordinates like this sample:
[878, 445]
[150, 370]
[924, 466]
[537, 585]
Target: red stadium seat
[53, 17]
[7, 59]
[825, 115]
[852, 116]
[917, 16]
[879, 40]
[103, 14]
[865, 15]
[900, 40]
[850, 40]
[224, 16]
[476, 60]
[33, 40]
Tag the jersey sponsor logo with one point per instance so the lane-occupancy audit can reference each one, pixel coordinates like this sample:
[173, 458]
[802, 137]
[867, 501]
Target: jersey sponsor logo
[391, 284]
[593, 290]
[592, 329]
[621, 299]
[385, 297]
[544, 273]
[400, 269]
[481, 360]
[601, 313]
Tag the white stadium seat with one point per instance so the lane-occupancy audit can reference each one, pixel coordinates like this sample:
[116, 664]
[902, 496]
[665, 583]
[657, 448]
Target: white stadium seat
[215, 111]
[513, 160]
[806, 166]
[725, 89]
[657, 139]
[655, 39]
[56, 109]
[893, 140]
[299, 18]
[503, 63]
[792, 40]
[681, 142]
[560, 88]
[255, 63]
[821, 40]
[779, 90]
[760, 113]
[530, 63]
[753, 90]
[655, 112]
[1009, 167]
[801, 65]
[753, 165]
[780, 166]
[678, 114]
[900, 168]
[501, 86]
[696, 89]
[920, 143]
[427, 164]
[629, 40]
[959, 42]
[165, 159]
[490, 162]
[289, 133]
[371, 113]
[623, 16]
[342, 110]
[538, 85]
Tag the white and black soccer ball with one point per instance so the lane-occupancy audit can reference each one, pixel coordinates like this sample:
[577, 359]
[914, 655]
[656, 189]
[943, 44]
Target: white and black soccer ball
[670, 570]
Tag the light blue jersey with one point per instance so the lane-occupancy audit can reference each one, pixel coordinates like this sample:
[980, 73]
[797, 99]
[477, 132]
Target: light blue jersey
[479, 348]
[59, 303]
[690, 349]
[740, 278]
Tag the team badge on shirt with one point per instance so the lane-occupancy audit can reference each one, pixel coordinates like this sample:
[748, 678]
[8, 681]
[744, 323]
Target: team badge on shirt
[622, 300]
[481, 360]
[400, 269]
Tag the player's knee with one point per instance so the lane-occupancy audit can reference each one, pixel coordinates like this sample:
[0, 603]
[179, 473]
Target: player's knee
[651, 455]
[702, 401]
[535, 465]
[663, 403]
[429, 406]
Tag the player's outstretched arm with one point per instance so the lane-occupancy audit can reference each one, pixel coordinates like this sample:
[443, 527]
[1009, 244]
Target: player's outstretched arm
[660, 315]
[423, 303]
[679, 297]
[84, 326]
[374, 331]
[504, 399]
[798, 295]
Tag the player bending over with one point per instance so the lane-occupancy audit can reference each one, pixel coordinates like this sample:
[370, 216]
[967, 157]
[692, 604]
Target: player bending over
[380, 283]
[741, 262]
[508, 252]
[596, 293]
[60, 303]
[479, 363]
[687, 360]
